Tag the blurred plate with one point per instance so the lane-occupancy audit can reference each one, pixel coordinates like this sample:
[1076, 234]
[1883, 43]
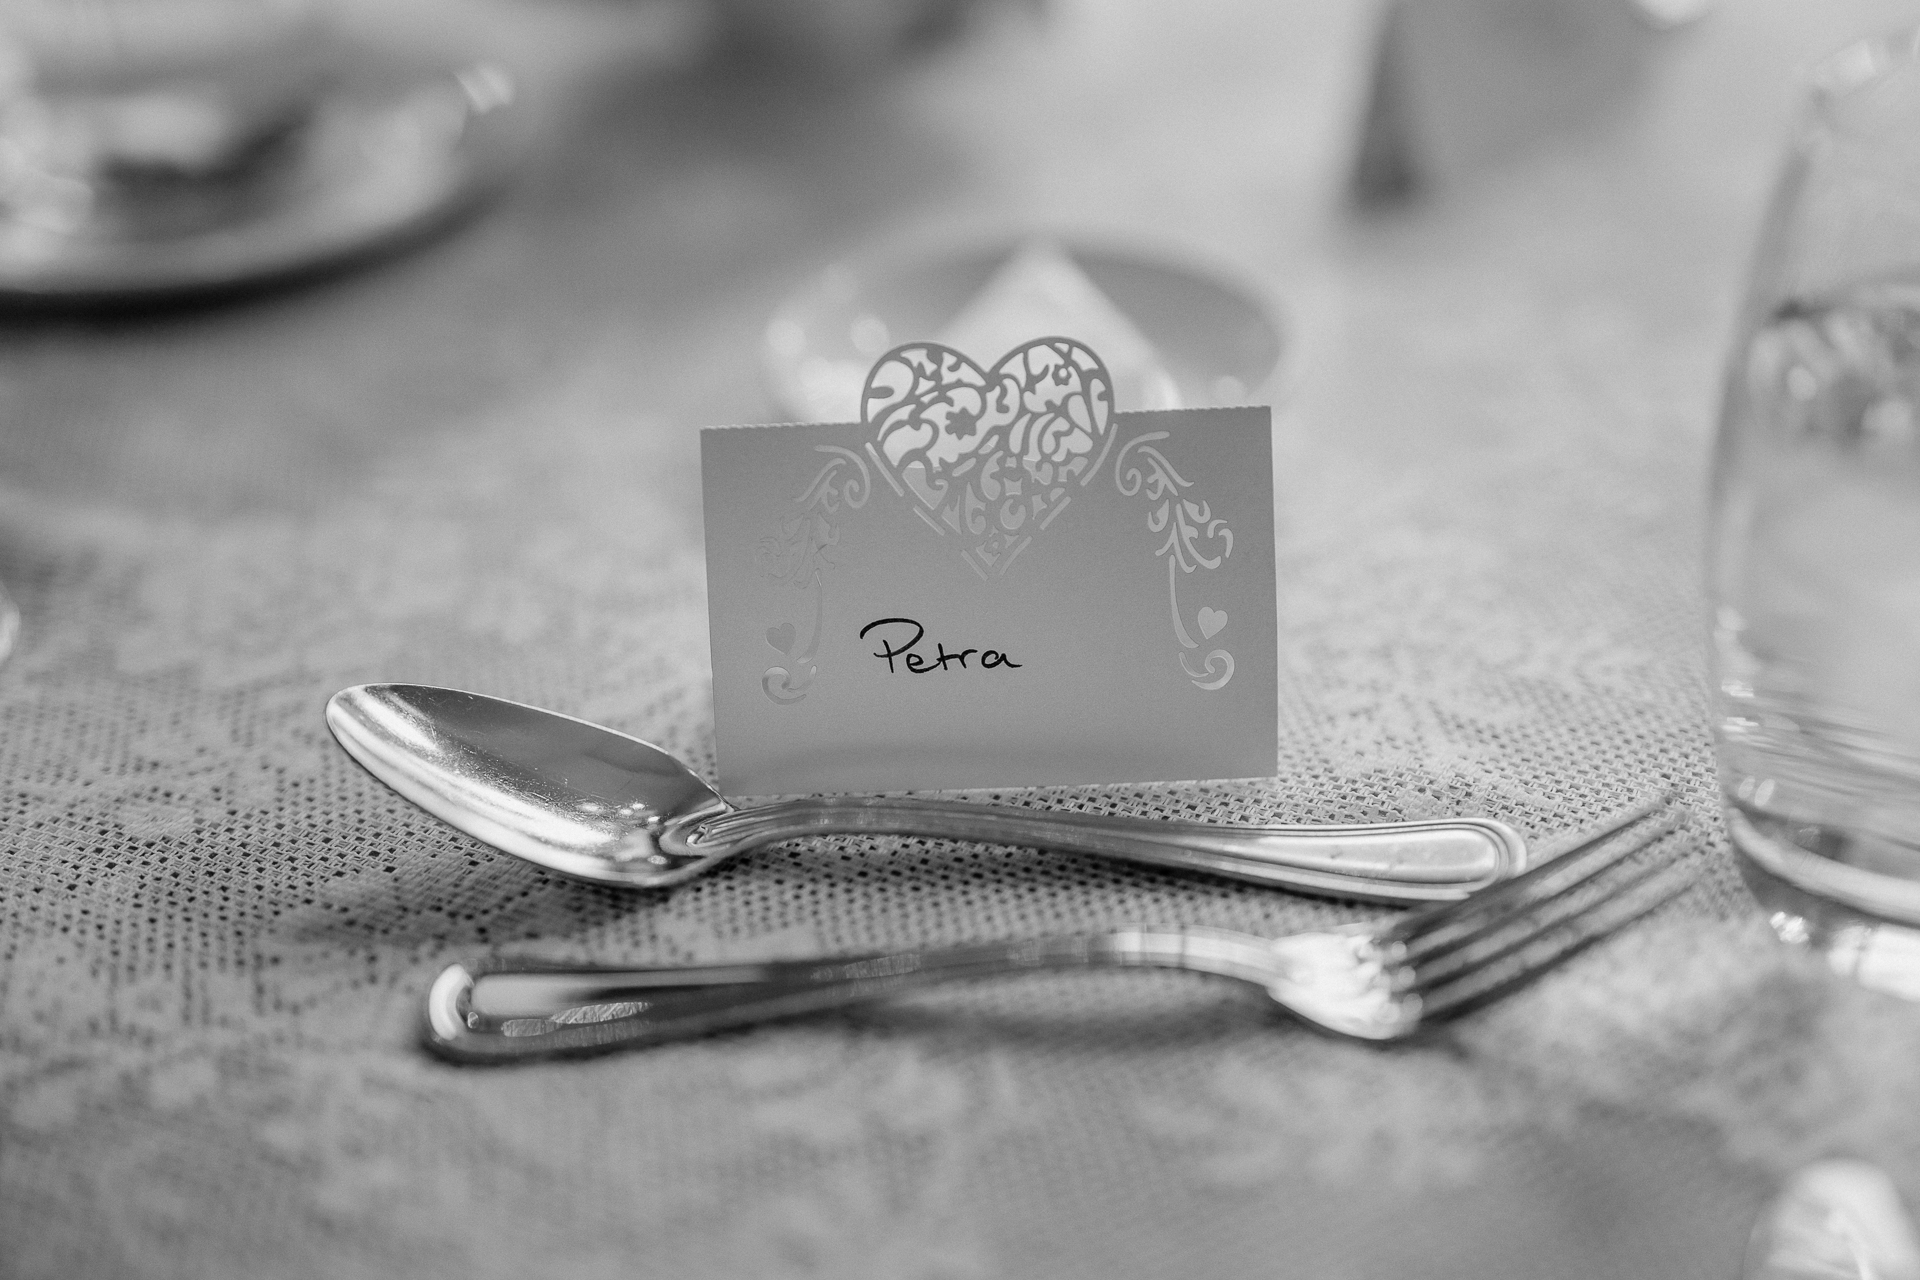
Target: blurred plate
[392, 154]
[1174, 334]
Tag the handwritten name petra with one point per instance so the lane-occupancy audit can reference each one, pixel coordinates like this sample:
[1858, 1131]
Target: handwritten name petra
[898, 637]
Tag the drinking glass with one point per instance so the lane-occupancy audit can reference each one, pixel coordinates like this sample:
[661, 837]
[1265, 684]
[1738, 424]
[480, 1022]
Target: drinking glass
[9, 623]
[1815, 553]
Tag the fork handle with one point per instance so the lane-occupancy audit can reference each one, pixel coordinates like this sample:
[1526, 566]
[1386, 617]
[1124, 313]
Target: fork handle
[1426, 860]
[509, 1014]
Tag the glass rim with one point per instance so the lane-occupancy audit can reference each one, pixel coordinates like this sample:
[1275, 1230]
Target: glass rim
[1861, 63]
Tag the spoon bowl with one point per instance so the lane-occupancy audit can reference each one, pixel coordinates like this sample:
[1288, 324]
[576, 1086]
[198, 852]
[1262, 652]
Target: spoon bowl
[571, 796]
[599, 806]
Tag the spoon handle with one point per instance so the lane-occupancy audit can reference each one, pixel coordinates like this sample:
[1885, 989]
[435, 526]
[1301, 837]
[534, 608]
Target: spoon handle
[511, 1014]
[1422, 861]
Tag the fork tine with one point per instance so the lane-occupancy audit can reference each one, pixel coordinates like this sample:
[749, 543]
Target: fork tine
[1424, 931]
[1574, 870]
[1556, 944]
[1522, 929]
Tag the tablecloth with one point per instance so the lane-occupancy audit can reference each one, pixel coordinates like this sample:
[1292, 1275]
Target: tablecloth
[477, 466]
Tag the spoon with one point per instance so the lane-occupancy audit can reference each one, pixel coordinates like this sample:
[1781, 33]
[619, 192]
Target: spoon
[596, 805]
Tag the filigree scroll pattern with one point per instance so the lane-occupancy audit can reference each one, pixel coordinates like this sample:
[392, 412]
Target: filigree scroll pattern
[991, 455]
[1192, 530]
[797, 555]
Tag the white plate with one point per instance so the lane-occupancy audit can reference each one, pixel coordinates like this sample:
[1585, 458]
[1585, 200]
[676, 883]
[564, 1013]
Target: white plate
[1213, 342]
[390, 155]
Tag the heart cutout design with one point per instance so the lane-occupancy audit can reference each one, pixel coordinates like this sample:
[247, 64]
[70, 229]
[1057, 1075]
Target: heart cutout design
[1211, 620]
[781, 637]
[989, 455]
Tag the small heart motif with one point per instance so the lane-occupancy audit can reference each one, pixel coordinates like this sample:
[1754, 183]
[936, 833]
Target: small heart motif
[1211, 620]
[989, 454]
[781, 637]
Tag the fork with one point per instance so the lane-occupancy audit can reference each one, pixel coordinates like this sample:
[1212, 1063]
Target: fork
[1380, 981]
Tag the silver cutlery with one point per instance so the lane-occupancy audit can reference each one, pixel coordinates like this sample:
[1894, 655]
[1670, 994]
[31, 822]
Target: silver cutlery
[599, 806]
[1374, 982]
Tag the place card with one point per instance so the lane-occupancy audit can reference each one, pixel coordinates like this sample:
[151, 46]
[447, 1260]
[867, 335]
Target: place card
[991, 580]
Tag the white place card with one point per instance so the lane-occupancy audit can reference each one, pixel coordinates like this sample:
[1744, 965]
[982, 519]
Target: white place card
[991, 580]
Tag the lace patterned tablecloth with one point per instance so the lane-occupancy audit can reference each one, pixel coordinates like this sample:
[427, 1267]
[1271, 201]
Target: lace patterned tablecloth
[478, 467]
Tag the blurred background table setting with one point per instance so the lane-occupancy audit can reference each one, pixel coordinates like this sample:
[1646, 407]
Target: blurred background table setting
[345, 343]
